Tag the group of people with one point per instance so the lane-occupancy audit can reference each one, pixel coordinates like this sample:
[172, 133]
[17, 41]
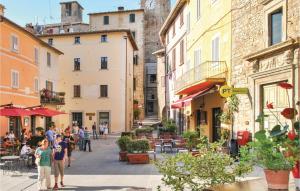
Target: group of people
[55, 150]
[103, 130]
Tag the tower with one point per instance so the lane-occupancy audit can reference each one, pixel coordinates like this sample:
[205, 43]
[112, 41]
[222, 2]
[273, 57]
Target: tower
[156, 12]
[71, 12]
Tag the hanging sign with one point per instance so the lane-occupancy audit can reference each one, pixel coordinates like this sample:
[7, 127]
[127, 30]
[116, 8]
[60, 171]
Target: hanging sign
[227, 91]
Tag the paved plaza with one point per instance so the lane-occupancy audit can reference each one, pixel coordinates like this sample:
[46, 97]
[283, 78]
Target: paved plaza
[101, 170]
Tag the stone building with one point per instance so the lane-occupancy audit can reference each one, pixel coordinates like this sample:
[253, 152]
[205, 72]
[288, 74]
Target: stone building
[265, 51]
[156, 12]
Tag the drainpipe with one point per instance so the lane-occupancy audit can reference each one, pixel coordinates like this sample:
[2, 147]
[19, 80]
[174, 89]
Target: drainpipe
[126, 63]
[166, 84]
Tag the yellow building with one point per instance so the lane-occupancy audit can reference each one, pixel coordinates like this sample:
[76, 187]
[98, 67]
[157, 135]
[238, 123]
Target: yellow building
[208, 54]
[96, 74]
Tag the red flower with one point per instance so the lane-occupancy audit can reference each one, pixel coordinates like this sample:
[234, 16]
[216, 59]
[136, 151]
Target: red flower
[270, 105]
[285, 85]
[292, 135]
[289, 113]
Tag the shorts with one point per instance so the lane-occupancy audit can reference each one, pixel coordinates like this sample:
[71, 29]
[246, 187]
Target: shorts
[59, 167]
[69, 153]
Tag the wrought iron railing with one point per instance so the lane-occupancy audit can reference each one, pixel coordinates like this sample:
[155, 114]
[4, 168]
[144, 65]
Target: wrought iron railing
[51, 97]
[208, 69]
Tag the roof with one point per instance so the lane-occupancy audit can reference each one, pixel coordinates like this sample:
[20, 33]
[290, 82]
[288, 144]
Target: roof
[118, 11]
[65, 24]
[71, 2]
[129, 34]
[2, 18]
[171, 17]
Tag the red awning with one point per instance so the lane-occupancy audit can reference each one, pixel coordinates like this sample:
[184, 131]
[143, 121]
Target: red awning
[199, 87]
[15, 112]
[46, 112]
[188, 99]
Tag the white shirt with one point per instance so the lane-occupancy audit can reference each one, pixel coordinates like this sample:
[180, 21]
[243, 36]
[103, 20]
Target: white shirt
[25, 150]
[11, 136]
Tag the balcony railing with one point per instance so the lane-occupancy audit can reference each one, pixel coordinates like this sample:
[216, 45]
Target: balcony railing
[208, 69]
[51, 97]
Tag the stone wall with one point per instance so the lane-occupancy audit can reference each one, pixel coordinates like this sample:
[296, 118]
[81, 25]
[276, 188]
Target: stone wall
[248, 37]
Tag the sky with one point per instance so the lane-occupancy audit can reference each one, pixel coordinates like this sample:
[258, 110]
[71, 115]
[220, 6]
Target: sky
[48, 11]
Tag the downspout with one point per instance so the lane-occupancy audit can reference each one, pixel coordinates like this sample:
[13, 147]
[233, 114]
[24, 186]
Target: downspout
[166, 84]
[126, 63]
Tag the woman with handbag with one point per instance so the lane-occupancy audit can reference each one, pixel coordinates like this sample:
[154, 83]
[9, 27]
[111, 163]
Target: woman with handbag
[70, 141]
[43, 155]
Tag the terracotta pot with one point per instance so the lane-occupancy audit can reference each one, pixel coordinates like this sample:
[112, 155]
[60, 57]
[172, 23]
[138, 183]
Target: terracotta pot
[277, 180]
[138, 158]
[195, 153]
[123, 156]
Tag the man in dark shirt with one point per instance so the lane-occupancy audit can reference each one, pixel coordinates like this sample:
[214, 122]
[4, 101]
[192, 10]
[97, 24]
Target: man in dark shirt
[60, 155]
[69, 140]
[94, 131]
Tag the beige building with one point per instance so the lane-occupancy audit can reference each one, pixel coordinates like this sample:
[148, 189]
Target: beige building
[96, 74]
[127, 19]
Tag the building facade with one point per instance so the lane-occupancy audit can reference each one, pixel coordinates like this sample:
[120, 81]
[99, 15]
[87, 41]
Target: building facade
[133, 20]
[98, 84]
[21, 55]
[265, 51]
[173, 37]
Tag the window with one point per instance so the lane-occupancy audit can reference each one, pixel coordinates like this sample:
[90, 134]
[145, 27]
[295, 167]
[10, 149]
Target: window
[14, 79]
[106, 20]
[135, 59]
[36, 84]
[76, 64]
[49, 85]
[104, 38]
[181, 19]
[188, 22]
[275, 27]
[134, 84]
[103, 63]
[182, 52]
[36, 56]
[197, 57]
[77, 91]
[174, 32]
[198, 9]
[216, 49]
[50, 41]
[48, 59]
[132, 18]
[68, 9]
[14, 43]
[174, 59]
[152, 78]
[77, 40]
[103, 90]
[133, 34]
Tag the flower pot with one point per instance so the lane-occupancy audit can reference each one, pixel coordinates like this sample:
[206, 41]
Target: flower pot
[277, 180]
[138, 158]
[123, 156]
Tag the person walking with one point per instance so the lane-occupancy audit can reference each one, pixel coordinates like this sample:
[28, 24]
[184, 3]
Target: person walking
[50, 135]
[70, 141]
[101, 129]
[43, 161]
[87, 139]
[59, 156]
[105, 130]
[81, 138]
[94, 131]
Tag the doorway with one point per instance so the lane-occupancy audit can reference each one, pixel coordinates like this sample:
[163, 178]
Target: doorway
[104, 118]
[33, 125]
[77, 118]
[216, 124]
[15, 125]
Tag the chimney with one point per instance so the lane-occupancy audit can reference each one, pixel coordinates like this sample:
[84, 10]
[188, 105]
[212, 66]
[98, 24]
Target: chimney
[29, 27]
[120, 8]
[2, 10]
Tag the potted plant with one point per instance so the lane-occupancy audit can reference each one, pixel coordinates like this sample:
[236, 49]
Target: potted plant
[136, 113]
[137, 152]
[122, 142]
[144, 132]
[231, 106]
[274, 150]
[168, 130]
[192, 139]
[225, 136]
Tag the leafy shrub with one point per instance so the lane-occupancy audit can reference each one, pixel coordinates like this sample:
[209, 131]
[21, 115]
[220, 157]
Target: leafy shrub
[138, 146]
[136, 113]
[169, 126]
[210, 169]
[129, 134]
[145, 130]
[122, 142]
[192, 139]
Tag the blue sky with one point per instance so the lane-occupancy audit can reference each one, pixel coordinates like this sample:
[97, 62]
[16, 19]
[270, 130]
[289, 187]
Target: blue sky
[48, 11]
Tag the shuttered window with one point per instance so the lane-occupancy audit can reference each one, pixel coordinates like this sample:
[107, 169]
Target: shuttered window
[216, 51]
[103, 90]
[77, 92]
[182, 52]
[76, 64]
[14, 79]
[174, 59]
[48, 59]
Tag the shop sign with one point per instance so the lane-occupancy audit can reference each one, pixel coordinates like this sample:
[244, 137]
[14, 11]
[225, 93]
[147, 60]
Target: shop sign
[90, 114]
[227, 91]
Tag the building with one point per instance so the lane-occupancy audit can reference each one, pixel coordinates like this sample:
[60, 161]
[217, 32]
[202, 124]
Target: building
[162, 85]
[98, 84]
[173, 37]
[156, 12]
[21, 55]
[265, 51]
[133, 20]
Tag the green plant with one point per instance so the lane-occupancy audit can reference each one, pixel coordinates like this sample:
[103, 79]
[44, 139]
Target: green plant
[210, 169]
[138, 146]
[169, 126]
[136, 113]
[122, 142]
[225, 134]
[129, 134]
[145, 130]
[135, 101]
[232, 104]
[192, 139]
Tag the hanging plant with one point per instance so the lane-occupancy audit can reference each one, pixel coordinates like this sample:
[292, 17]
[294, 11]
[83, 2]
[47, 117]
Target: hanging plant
[232, 106]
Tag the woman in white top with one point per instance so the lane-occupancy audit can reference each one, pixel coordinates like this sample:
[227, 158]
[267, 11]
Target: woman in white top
[105, 129]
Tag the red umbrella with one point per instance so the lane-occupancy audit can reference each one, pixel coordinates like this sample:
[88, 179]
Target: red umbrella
[42, 111]
[15, 112]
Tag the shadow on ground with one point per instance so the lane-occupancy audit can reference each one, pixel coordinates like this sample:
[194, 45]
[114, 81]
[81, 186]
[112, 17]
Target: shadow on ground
[98, 188]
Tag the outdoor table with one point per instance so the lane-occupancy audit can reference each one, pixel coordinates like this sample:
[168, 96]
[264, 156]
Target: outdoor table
[12, 158]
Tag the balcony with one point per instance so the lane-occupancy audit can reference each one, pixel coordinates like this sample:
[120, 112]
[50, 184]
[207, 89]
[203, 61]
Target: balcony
[215, 71]
[51, 97]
